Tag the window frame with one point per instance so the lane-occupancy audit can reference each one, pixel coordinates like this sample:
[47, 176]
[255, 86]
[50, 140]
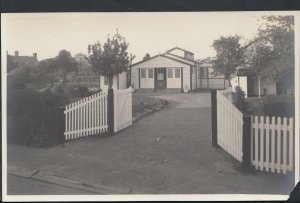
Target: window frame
[148, 70]
[172, 75]
[145, 76]
[177, 69]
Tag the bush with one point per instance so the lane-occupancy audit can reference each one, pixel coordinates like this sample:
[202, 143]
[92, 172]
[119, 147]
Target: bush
[282, 106]
[77, 92]
[238, 98]
[35, 119]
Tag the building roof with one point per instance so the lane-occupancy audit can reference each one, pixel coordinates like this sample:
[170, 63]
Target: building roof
[172, 57]
[23, 62]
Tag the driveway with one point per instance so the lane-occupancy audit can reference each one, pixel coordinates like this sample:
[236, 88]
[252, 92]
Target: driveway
[168, 152]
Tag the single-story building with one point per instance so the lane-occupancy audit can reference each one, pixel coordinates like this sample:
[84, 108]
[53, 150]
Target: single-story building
[175, 70]
[252, 85]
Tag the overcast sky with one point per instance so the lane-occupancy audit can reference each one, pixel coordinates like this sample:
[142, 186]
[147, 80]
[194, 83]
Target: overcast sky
[150, 33]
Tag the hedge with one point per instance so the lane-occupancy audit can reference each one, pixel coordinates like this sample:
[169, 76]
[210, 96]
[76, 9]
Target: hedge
[35, 119]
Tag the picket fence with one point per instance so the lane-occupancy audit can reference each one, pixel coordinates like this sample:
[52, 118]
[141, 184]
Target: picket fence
[87, 116]
[230, 127]
[122, 109]
[272, 144]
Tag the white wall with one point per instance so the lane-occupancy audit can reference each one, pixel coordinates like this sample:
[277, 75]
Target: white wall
[122, 82]
[159, 62]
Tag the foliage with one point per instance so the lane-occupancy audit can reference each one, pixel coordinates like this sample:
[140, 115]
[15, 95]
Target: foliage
[229, 55]
[279, 106]
[110, 59]
[35, 119]
[238, 98]
[274, 48]
[59, 66]
[146, 57]
[19, 79]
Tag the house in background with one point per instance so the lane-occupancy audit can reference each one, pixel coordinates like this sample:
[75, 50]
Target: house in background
[175, 70]
[17, 62]
[252, 85]
[209, 80]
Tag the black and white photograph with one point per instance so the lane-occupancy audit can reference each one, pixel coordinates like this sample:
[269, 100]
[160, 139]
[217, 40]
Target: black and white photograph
[150, 105]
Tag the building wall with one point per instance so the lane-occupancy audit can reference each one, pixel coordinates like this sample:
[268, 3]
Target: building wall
[147, 82]
[173, 82]
[160, 62]
[269, 85]
[122, 82]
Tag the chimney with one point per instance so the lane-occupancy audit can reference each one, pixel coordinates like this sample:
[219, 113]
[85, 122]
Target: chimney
[34, 55]
[16, 53]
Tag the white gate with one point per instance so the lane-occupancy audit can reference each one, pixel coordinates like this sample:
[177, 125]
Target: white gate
[272, 144]
[230, 126]
[122, 109]
[87, 116]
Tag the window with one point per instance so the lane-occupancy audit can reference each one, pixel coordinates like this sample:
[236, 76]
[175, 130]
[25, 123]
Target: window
[143, 73]
[160, 74]
[170, 73]
[150, 73]
[177, 73]
[195, 70]
[199, 72]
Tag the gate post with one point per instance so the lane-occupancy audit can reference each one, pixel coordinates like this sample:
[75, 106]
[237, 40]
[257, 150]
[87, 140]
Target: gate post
[110, 111]
[214, 130]
[246, 162]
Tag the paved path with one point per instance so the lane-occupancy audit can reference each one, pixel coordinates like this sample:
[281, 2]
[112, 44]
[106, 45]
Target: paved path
[168, 152]
[24, 186]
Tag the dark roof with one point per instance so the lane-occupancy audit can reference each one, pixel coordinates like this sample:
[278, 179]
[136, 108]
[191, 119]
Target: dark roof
[244, 71]
[24, 61]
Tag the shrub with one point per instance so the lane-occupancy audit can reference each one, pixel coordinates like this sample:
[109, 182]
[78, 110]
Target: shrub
[238, 98]
[282, 106]
[35, 119]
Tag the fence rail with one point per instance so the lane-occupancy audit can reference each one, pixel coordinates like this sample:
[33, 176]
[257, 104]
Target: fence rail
[272, 144]
[86, 117]
[230, 127]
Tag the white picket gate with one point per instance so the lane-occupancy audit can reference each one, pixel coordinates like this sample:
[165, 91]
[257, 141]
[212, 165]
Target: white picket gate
[272, 144]
[122, 109]
[230, 126]
[87, 116]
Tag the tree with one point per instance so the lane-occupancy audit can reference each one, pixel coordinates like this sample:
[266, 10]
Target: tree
[61, 65]
[110, 59]
[229, 55]
[146, 57]
[275, 47]
[65, 63]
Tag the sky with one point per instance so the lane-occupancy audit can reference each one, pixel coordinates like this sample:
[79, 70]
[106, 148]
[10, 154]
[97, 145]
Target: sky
[153, 33]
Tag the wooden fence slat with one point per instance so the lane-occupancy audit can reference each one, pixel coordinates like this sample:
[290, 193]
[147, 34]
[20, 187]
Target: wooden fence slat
[278, 128]
[267, 127]
[273, 127]
[284, 153]
[291, 144]
[256, 141]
